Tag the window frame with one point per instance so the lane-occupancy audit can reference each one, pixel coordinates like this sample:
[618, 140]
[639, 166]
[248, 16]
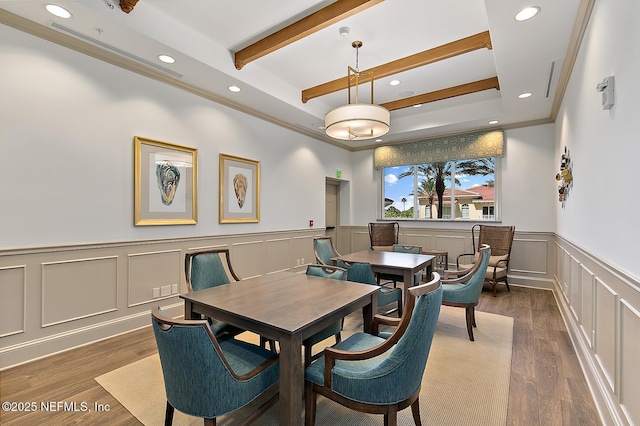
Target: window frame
[497, 203]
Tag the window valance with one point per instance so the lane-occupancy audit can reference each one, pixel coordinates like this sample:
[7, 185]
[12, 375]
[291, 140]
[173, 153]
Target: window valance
[465, 146]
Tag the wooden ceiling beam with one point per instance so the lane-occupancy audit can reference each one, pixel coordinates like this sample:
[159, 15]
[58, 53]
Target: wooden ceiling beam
[449, 92]
[446, 51]
[329, 15]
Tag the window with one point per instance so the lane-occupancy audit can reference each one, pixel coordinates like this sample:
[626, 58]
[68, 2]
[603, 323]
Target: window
[465, 211]
[462, 189]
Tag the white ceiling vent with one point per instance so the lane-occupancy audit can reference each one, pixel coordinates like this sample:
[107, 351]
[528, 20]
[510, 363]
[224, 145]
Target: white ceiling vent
[552, 77]
[116, 50]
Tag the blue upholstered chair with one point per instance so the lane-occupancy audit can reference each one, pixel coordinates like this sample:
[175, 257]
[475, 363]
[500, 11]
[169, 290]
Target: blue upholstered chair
[463, 288]
[361, 272]
[401, 248]
[324, 271]
[211, 268]
[379, 375]
[204, 377]
[324, 250]
[206, 269]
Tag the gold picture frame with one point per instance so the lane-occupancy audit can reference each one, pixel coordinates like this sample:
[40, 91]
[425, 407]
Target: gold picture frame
[239, 190]
[166, 183]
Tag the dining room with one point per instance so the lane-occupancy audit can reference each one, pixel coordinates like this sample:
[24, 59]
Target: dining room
[85, 255]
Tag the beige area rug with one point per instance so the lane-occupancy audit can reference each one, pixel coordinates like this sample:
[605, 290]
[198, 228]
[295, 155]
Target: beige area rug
[464, 383]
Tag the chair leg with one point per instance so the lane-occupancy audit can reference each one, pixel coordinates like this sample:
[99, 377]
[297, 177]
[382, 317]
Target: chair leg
[210, 422]
[470, 320]
[168, 415]
[415, 410]
[309, 404]
[391, 416]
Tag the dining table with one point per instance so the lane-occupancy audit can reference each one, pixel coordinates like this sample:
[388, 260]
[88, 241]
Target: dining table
[286, 307]
[405, 265]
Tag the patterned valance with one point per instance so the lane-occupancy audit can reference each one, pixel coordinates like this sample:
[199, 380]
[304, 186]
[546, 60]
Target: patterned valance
[447, 148]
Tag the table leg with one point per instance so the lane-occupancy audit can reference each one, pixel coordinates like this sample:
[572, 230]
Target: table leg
[368, 311]
[188, 311]
[291, 380]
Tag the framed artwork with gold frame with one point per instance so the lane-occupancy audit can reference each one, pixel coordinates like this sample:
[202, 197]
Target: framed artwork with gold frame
[166, 183]
[239, 190]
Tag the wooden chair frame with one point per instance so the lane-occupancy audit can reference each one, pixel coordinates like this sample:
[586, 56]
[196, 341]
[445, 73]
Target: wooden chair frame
[458, 277]
[386, 228]
[333, 354]
[165, 324]
[499, 247]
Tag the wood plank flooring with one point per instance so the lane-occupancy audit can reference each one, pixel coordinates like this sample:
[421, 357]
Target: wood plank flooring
[547, 385]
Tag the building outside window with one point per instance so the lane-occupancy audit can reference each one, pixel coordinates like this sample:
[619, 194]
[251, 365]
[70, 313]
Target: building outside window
[463, 189]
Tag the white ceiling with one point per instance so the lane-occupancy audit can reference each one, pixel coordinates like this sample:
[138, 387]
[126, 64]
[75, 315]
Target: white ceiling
[204, 34]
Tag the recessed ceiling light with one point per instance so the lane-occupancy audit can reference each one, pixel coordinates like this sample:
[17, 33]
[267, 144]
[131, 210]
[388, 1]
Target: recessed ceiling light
[58, 11]
[417, 105]
[394, 82]
[494, 122]
[166, 59]
[524, 95]
[527, 13]
[234, 89]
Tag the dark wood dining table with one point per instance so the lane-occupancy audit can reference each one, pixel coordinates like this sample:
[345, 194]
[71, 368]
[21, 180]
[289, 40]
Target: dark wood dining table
[286, 307]
[405, 265]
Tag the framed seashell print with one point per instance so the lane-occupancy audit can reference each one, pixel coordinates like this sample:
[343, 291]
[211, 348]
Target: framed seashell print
[239, 190]
[166, 183]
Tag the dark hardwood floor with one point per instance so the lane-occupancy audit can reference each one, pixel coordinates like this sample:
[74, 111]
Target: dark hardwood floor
[547, 385]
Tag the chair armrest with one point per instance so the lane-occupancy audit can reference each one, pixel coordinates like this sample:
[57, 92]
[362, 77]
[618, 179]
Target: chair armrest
[384, 320]
[450, 274]
[333, 354]
[460, 255]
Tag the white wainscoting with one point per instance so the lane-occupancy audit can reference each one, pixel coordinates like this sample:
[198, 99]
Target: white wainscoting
[601, 307]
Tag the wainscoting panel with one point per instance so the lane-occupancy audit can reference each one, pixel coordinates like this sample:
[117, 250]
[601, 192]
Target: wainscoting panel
[302, 248]
[529, 256]
[604, 329]
[417, 239]
[248, 258]
[160, 270]
[78, 288]
[13, 288]
[278, 252]
[574, 289]
[360, 240]
[629, 353]
[587, 304]
[605, 347]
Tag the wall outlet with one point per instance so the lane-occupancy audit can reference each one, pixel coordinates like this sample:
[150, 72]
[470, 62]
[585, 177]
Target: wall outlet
[156, 292]
[302, 261]
[174, 288]
[165, 290]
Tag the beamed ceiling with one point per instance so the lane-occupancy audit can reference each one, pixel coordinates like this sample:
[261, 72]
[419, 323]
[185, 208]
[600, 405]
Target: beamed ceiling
[460, 64]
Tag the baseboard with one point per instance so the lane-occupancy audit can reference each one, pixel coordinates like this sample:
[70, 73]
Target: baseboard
[12, 356]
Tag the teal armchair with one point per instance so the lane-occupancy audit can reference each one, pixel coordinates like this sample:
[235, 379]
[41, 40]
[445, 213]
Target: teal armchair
[335, 329]
[324, 250]
[378, 375]
[463, 288]
[204, 377]
[210, 268]
[361, 272]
